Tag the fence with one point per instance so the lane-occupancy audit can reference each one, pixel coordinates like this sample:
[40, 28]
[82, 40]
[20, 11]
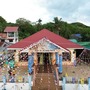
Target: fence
[16, 79]
[14, 86]
[74, 83]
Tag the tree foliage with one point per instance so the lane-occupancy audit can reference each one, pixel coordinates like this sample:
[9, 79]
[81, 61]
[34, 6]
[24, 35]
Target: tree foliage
[2, 24]
[62, 28]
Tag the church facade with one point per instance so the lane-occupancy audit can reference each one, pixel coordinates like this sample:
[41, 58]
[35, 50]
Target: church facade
[45, 46]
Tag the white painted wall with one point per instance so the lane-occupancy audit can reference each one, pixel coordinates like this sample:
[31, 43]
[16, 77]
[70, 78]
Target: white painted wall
[15, 37]
[15, 86]
[25, 86]
[75, 86]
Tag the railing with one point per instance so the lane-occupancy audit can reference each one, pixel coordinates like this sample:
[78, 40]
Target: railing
[56, 74]
[76, 80]
[16, 79]
[34, 74]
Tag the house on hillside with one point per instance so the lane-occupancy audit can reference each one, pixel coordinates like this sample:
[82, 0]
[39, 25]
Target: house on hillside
[9, 37]
[12, 34]
[3, 37]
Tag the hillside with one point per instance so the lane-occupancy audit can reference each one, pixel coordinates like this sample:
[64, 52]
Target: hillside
[62, 28]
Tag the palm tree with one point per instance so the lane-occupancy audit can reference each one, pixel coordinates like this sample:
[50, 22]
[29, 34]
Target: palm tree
[57, 23]
[39, 24]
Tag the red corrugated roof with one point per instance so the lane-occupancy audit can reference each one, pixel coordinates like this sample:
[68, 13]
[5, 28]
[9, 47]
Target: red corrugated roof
[62, 42]
[11, 29]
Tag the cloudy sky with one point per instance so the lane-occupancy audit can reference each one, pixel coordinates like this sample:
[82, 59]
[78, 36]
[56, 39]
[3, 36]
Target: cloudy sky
[68, 10]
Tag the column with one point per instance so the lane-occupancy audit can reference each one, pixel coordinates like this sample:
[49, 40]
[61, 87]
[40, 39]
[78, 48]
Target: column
[16, 56]
[57, 58]
[63, 83]
[41, 59]
[4, 82]
[60, 63]
[35, 58]
[53, 58]
[29, 81]
[88, 83]
[30, 61]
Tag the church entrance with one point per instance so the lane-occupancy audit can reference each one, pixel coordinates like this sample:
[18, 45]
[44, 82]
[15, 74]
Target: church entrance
[44, 62]
[44, 59]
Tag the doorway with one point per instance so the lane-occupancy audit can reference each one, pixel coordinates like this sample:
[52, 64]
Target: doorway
[44, 58]
[44, 63]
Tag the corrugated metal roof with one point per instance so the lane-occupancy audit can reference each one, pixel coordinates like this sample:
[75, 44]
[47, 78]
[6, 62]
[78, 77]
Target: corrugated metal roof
[11, 29]
[60, 41]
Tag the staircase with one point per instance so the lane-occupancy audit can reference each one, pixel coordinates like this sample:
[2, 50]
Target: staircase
[45, 79]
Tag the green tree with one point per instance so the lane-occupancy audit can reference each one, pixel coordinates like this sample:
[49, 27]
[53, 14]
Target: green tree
[25, 28]
[3, 23]
[57, 24]
[39, 24]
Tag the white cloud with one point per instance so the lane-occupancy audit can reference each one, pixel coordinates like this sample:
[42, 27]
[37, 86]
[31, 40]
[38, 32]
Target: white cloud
[68, 10]
[14, 9]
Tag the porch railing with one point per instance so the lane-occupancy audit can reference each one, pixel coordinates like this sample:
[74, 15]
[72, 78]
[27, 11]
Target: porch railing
[56, 74]
[34, 74]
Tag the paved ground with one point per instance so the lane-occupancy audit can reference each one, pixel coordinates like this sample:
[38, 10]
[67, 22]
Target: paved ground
[80, 71]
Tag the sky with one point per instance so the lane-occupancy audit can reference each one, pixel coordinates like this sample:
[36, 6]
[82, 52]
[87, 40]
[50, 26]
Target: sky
[69, 10]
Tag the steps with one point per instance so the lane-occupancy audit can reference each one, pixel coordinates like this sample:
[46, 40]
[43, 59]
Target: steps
[45, 79]
[44, 69]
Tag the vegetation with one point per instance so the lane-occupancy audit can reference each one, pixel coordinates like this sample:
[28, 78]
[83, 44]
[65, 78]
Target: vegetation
[62, 28]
